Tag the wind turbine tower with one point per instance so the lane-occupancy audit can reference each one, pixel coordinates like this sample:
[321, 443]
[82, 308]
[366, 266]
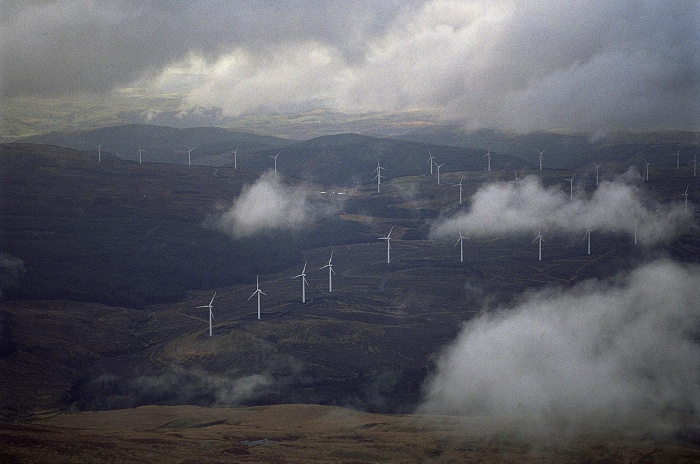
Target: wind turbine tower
[330, 273]
[438, 166]
[141, 150]
[379, 175]
[678, 159]
[460, 241]
[695, 164]
[540, 153]
[275, 158]
[571, 190]
[189, 156]
[235, 158]
[686, 197]
[540, 239]
[588, 235]
[460, 189]
[388, 244]
[258, 292]
[211, 313]
[488, 158]
[647, 164]
[431, 160]
[99, 152]
[303, 283]
[596, 173]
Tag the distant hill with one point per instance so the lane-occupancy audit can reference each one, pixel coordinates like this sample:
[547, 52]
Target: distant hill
[212, 145]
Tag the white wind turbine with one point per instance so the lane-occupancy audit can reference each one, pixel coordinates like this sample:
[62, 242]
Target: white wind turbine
[588, 235]
[647, 164]
[189, 156]
[695, 163]
[211, 313]
[460, 241]
[330, 273]
[678, 159]
[488, 158]
[431, 160]
[235, 158]
[540, 239]
[141, 150]
[379, 175]
[258, 292]
[540, 153]
[571, 191]
[438, 166]
[517, 185]
[686, 197]
[388, 244]
[99, 152]
[275, 158]
[303, 283]
[460, 189]
[596, 173]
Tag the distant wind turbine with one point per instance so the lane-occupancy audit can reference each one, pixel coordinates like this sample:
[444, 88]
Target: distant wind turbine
[431, 161]
[686, 197]
[388, 244]
[189, 156]
[330, 273]
[438, 166]
[303, 283]
[540, 153]
[258, 292]
[695, 163]
[571, 191]
[540, 239]
[141, 150]
[678, 159]
[647, 164]
[211, 313]
[275, 158]
[99, 152]
[379, 175]
[461, 246]
[460, 189]
[635, 232]
[596, 173]
[588, 235]
[235, 160]
[488, 158]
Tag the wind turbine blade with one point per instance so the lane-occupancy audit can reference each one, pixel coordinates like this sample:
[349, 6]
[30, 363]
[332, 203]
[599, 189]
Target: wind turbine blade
[251, 296]
[263, 293]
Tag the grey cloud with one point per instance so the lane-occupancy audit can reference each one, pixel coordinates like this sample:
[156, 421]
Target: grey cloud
[615, 206]
[600, 356]
[271, 205]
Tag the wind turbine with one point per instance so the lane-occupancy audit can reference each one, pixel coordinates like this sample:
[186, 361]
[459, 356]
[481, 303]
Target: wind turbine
[596, 173]
[235, 160]
[461, 246]
[211, 313]
[330, 273]
[571, 191]
[141, 150]
[539, 237]
[189, 156]
[460, 189]
[695, 163]
[647, 164]
[388, 244]
[686, 197]
[588, 234]
[303, 283]
[258, 292]
[431, 161]
[379, 175]
[275, 158]
[678, 158]
[517, 185]
[438, 166]
[488, 158]
[99, 152]
[540, 153]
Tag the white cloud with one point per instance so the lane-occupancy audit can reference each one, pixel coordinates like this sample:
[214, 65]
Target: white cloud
[620, 354]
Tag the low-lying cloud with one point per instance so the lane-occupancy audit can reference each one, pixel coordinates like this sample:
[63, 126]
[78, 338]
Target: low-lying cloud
[269, 205]
[617, 206]
[614, 354]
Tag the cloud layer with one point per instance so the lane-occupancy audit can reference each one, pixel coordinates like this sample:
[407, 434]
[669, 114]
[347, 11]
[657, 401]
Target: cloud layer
[271, 205]
[617, 206]
[519, 65]
[603, 355]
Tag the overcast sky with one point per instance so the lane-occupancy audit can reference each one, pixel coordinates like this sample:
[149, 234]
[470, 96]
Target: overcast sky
[508, 64]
